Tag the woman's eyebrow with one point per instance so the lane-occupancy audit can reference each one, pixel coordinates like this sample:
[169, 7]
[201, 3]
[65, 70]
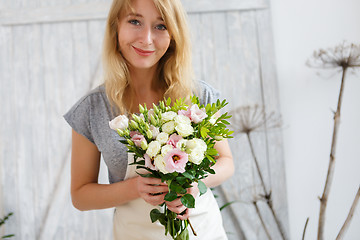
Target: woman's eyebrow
[139, 15]
[135, 15]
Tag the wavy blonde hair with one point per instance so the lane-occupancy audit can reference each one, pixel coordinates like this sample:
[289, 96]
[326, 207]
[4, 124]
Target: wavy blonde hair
[174, 68]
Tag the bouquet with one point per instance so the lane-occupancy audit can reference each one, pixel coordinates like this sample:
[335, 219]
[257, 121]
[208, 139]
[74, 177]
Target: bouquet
[175, 143]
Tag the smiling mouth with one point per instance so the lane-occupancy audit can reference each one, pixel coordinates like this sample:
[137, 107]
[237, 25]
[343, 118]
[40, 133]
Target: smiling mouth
[143, 52]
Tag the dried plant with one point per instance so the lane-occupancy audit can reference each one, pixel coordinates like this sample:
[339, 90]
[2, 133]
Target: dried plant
[345, 56]
[350, 215]
[248, 119]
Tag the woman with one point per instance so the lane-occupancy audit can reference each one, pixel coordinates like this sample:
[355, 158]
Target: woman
[146, 57]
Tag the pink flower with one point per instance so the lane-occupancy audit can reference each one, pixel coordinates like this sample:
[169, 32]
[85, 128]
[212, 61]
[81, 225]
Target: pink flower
[175, 161]
[185, 113]
[149, 162]
[173, 139]
[197, 115]
[137, 139]
[132, 133]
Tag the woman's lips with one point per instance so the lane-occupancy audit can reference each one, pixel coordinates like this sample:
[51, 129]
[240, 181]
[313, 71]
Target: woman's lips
[143, 52]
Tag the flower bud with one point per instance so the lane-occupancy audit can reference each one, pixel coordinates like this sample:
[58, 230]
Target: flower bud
[131, 143]
[156, 109]
[120, 132]
[136, 118]
[218, 138]
[153, 120]
[126, 133]
[144, 145]
[134, 125]
[141, 108]
[162, 105]
[149, 134]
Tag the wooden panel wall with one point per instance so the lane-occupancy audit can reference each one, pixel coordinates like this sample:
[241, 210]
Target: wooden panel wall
[49, 57]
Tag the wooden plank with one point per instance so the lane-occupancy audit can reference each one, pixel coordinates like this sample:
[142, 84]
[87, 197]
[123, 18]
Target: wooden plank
[8, 136]
[24, 155]
[270, 94]
[99, 10]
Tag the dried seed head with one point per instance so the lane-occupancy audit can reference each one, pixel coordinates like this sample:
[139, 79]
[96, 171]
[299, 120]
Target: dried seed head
[345, 55]
[247, 119]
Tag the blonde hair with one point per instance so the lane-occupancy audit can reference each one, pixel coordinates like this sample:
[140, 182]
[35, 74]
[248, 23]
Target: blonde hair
[174, 68]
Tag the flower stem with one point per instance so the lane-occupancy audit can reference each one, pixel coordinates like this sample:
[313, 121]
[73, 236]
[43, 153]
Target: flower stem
[261, 219]
[330, 172]
[349, 217]
[266, 193]
[306, 223]
[192, 229]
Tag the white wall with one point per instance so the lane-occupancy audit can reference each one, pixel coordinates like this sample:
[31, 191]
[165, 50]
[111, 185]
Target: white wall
[300, 27]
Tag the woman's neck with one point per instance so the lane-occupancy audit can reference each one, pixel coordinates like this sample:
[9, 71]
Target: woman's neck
[144, 88]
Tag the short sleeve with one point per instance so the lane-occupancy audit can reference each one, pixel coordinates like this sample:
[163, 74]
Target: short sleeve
[78, 117]
[207, 93]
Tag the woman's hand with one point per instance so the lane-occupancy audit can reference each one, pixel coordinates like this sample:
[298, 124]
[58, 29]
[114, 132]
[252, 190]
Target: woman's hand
[152, 190]
[176, 206]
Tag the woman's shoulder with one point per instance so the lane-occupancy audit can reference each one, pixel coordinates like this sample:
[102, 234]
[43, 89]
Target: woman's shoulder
[206, 92]
[88, 109]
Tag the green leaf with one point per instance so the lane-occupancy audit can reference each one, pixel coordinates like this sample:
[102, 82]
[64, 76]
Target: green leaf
[210, 158]
[188, 201]
[168, 101]
[148, 175]
[227, 204]
[155, 215]
[177, 188]
[212, 151]
[8, 236]
[171, 196]
[181, 180]
[188, 175]
[202, 187]
[204, 132]
[184, 235]
[225, 122]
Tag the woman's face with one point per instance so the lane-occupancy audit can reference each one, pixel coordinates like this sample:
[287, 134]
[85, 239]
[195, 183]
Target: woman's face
[142, 35]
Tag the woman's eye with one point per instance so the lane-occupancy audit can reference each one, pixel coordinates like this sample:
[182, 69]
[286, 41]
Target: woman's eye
[161, 27]
[134, 22]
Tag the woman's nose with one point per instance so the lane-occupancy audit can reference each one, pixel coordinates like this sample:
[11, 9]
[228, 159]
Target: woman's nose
[146, 36]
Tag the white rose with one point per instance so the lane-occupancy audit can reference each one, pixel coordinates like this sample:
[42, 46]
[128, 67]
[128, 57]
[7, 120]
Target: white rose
[120, 122]
[181, 144]
[168, 116]
[169, 127]
[153, 148]
[182, 119]
[196, 156]
[165, 149]
[184, 130]
[162, 138]
[160, 164]
[196, 143]
[154, 131]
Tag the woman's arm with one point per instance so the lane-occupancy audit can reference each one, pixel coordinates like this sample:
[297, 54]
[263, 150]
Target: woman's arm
[87, 194]
[224, 167]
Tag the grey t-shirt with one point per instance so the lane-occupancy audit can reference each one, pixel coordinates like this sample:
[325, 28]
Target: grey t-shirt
[90, 117]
